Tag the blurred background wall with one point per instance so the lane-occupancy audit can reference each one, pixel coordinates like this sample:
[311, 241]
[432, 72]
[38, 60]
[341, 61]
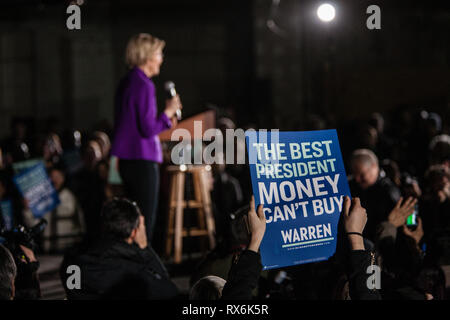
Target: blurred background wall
[222, 52]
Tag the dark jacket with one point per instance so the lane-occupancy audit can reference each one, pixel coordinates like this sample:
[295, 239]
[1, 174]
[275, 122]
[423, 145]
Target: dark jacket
[118, 270]
[359, 261]
[243, 276]
[378, 200]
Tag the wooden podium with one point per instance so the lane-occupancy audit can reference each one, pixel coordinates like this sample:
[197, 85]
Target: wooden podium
[205, 227]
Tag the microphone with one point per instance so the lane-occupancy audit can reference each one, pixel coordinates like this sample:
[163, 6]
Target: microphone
[171, 93]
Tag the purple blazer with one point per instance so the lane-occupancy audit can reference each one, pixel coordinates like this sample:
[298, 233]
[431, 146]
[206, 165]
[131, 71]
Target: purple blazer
[136, 124]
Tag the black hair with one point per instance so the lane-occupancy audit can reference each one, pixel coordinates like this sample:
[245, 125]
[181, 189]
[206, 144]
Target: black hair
[8, 272]
[119, 218]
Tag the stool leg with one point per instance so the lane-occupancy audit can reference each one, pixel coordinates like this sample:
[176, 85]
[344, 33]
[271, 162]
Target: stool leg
[179, 217]
[206, 199]
[170, 226]
[196, 175]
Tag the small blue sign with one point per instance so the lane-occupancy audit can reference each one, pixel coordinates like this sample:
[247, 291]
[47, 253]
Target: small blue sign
[36, 187]
[300, 179]
[7, 214]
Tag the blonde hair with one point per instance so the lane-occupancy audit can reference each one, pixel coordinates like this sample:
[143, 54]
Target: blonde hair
[140, 48]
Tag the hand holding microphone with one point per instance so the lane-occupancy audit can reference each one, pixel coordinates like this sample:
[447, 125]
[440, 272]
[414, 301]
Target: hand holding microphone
[173, 104]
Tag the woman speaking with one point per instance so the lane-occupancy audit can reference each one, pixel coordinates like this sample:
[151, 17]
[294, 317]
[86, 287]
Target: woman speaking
[137, 125]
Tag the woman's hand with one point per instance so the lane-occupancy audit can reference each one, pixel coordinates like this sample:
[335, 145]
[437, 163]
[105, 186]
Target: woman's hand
[417, 234]
[172, 105]
[257, 225]
[355, 219]
[141, 234]
[401, 211]
[28, 253]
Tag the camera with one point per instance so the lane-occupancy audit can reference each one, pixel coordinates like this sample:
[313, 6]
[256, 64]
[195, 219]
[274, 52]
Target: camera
[26, 282]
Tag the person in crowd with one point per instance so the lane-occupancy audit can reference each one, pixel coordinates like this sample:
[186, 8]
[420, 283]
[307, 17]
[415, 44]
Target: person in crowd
[18, 273]
[227, 197]
[8, 272]
[52, 150]
[92, 154]
[245, 270]
[122, 264]
[89, 189]
[104, 142]
[409, 186]
[440, 150]
[377, 192]
[102, 173]
[367, 138]
[137, 125]
[218, 261]
[437, 198]
[65, 223]
[392, 170]
[435, 213]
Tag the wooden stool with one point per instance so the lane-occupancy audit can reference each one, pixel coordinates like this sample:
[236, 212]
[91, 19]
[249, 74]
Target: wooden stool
[175, 228]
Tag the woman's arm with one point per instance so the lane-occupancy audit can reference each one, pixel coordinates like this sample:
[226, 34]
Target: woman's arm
[149, 123]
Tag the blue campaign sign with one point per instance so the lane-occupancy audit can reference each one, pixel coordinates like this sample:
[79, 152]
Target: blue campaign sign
[35, 186]
[300, 179]
[6, 210]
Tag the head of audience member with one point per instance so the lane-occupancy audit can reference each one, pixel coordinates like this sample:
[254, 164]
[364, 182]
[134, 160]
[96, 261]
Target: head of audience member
[225, 123]
[104, 142]
[368, 137]
[438, 182]
[8, 272]
[440, 150]
[392, 170]
[92, 154]
[376, 120]
[57, 177]
[315, 122]
[433, 124]
[52, 147]
[120, 219]
[410, 187]
[432, 281]
[364, 167]
[207, 288]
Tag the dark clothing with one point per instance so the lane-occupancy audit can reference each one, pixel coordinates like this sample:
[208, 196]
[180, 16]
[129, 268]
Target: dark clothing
[227, 198]
[117, 270]
[359, 261]
[378, 200]
[90, 192]
[435, 216]
[141, 184]
[243, 277]
[402, 264]
[436, 224]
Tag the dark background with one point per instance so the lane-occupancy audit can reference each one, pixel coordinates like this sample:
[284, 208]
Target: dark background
[222, 52]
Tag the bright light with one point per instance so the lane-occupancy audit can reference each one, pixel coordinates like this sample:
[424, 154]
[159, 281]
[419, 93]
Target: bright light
[326, 12]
